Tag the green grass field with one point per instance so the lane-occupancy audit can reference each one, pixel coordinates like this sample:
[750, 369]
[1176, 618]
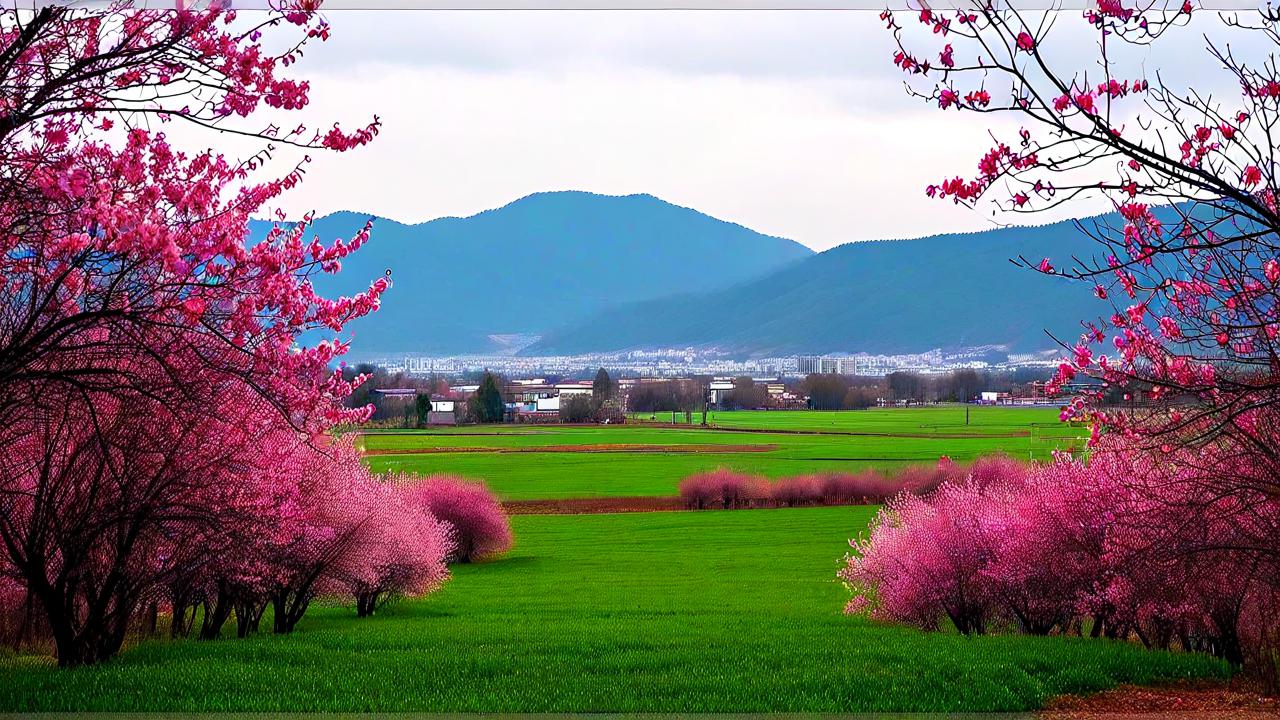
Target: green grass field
[886, 439]
[734, 611]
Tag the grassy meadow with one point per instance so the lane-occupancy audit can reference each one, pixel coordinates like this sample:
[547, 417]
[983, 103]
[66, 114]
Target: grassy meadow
[732, 611]
[612, 461]
[716, 611]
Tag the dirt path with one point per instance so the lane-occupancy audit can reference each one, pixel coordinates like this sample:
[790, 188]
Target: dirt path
[686, 449]
[1233, 700]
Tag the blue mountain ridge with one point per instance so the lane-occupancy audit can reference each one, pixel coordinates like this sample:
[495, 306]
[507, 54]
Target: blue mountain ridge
[597, 273]
[882, 297]
[541, 262]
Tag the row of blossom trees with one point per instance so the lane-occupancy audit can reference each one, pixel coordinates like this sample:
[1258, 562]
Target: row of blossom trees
[1079, 548]
[163, 432]
[1170, 530]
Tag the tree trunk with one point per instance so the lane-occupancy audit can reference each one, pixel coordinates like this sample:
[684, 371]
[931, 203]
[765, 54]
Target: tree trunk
[248, 614]
[1099, 621]
[279, 614]
[101, 633]
[216, 616]
[289, 607]
[151, 621]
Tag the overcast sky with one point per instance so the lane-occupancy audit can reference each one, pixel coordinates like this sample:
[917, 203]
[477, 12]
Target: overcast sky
[794, 124]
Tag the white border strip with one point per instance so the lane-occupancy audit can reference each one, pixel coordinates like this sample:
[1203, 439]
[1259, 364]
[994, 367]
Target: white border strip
[606, 5]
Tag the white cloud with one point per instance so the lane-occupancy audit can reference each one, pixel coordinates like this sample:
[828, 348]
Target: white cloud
[793, 124]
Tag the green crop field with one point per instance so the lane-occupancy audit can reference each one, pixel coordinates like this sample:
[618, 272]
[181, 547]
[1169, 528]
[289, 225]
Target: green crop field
[941, 419]
[580, 465]
[711, 611]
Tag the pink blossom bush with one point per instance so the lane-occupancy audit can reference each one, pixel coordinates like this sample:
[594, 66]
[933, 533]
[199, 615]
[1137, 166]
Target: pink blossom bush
[699, 491]
[724, 489]
[479, 528]
[796, 491]
[867, 486]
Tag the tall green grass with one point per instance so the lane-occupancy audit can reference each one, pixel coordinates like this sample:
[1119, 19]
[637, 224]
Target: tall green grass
[663, 612]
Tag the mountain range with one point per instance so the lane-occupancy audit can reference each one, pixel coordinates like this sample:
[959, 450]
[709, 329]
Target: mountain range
[881, 297]
[488, 281]
[576, 272]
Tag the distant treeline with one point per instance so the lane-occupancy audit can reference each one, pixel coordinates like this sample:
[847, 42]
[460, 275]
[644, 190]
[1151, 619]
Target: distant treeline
[836, 392]
[843, 392]
[689, 395]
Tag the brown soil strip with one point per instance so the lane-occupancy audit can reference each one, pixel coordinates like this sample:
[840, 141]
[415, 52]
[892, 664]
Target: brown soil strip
[1233, 700]
[708, 449]
[581, 506]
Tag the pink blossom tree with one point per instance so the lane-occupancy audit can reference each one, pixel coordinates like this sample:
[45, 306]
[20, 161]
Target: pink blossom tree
[1189, 263]
[796, 491]
[725, 489]
[401, 550]
[113, 233]
[1104, 547]
[103, 499]
[135, 316]
[325, 523]
[479, 528]
[1187, 269]
[928, 558]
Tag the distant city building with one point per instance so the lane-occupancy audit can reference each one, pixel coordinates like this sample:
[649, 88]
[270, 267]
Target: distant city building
[720, 388]
[826, 365]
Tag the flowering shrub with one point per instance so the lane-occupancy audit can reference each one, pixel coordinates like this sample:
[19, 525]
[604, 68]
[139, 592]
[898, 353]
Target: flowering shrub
[727, 489]
[796, 491]
[700, 491]
[479, 528]
[867, 486]
[724, 489]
